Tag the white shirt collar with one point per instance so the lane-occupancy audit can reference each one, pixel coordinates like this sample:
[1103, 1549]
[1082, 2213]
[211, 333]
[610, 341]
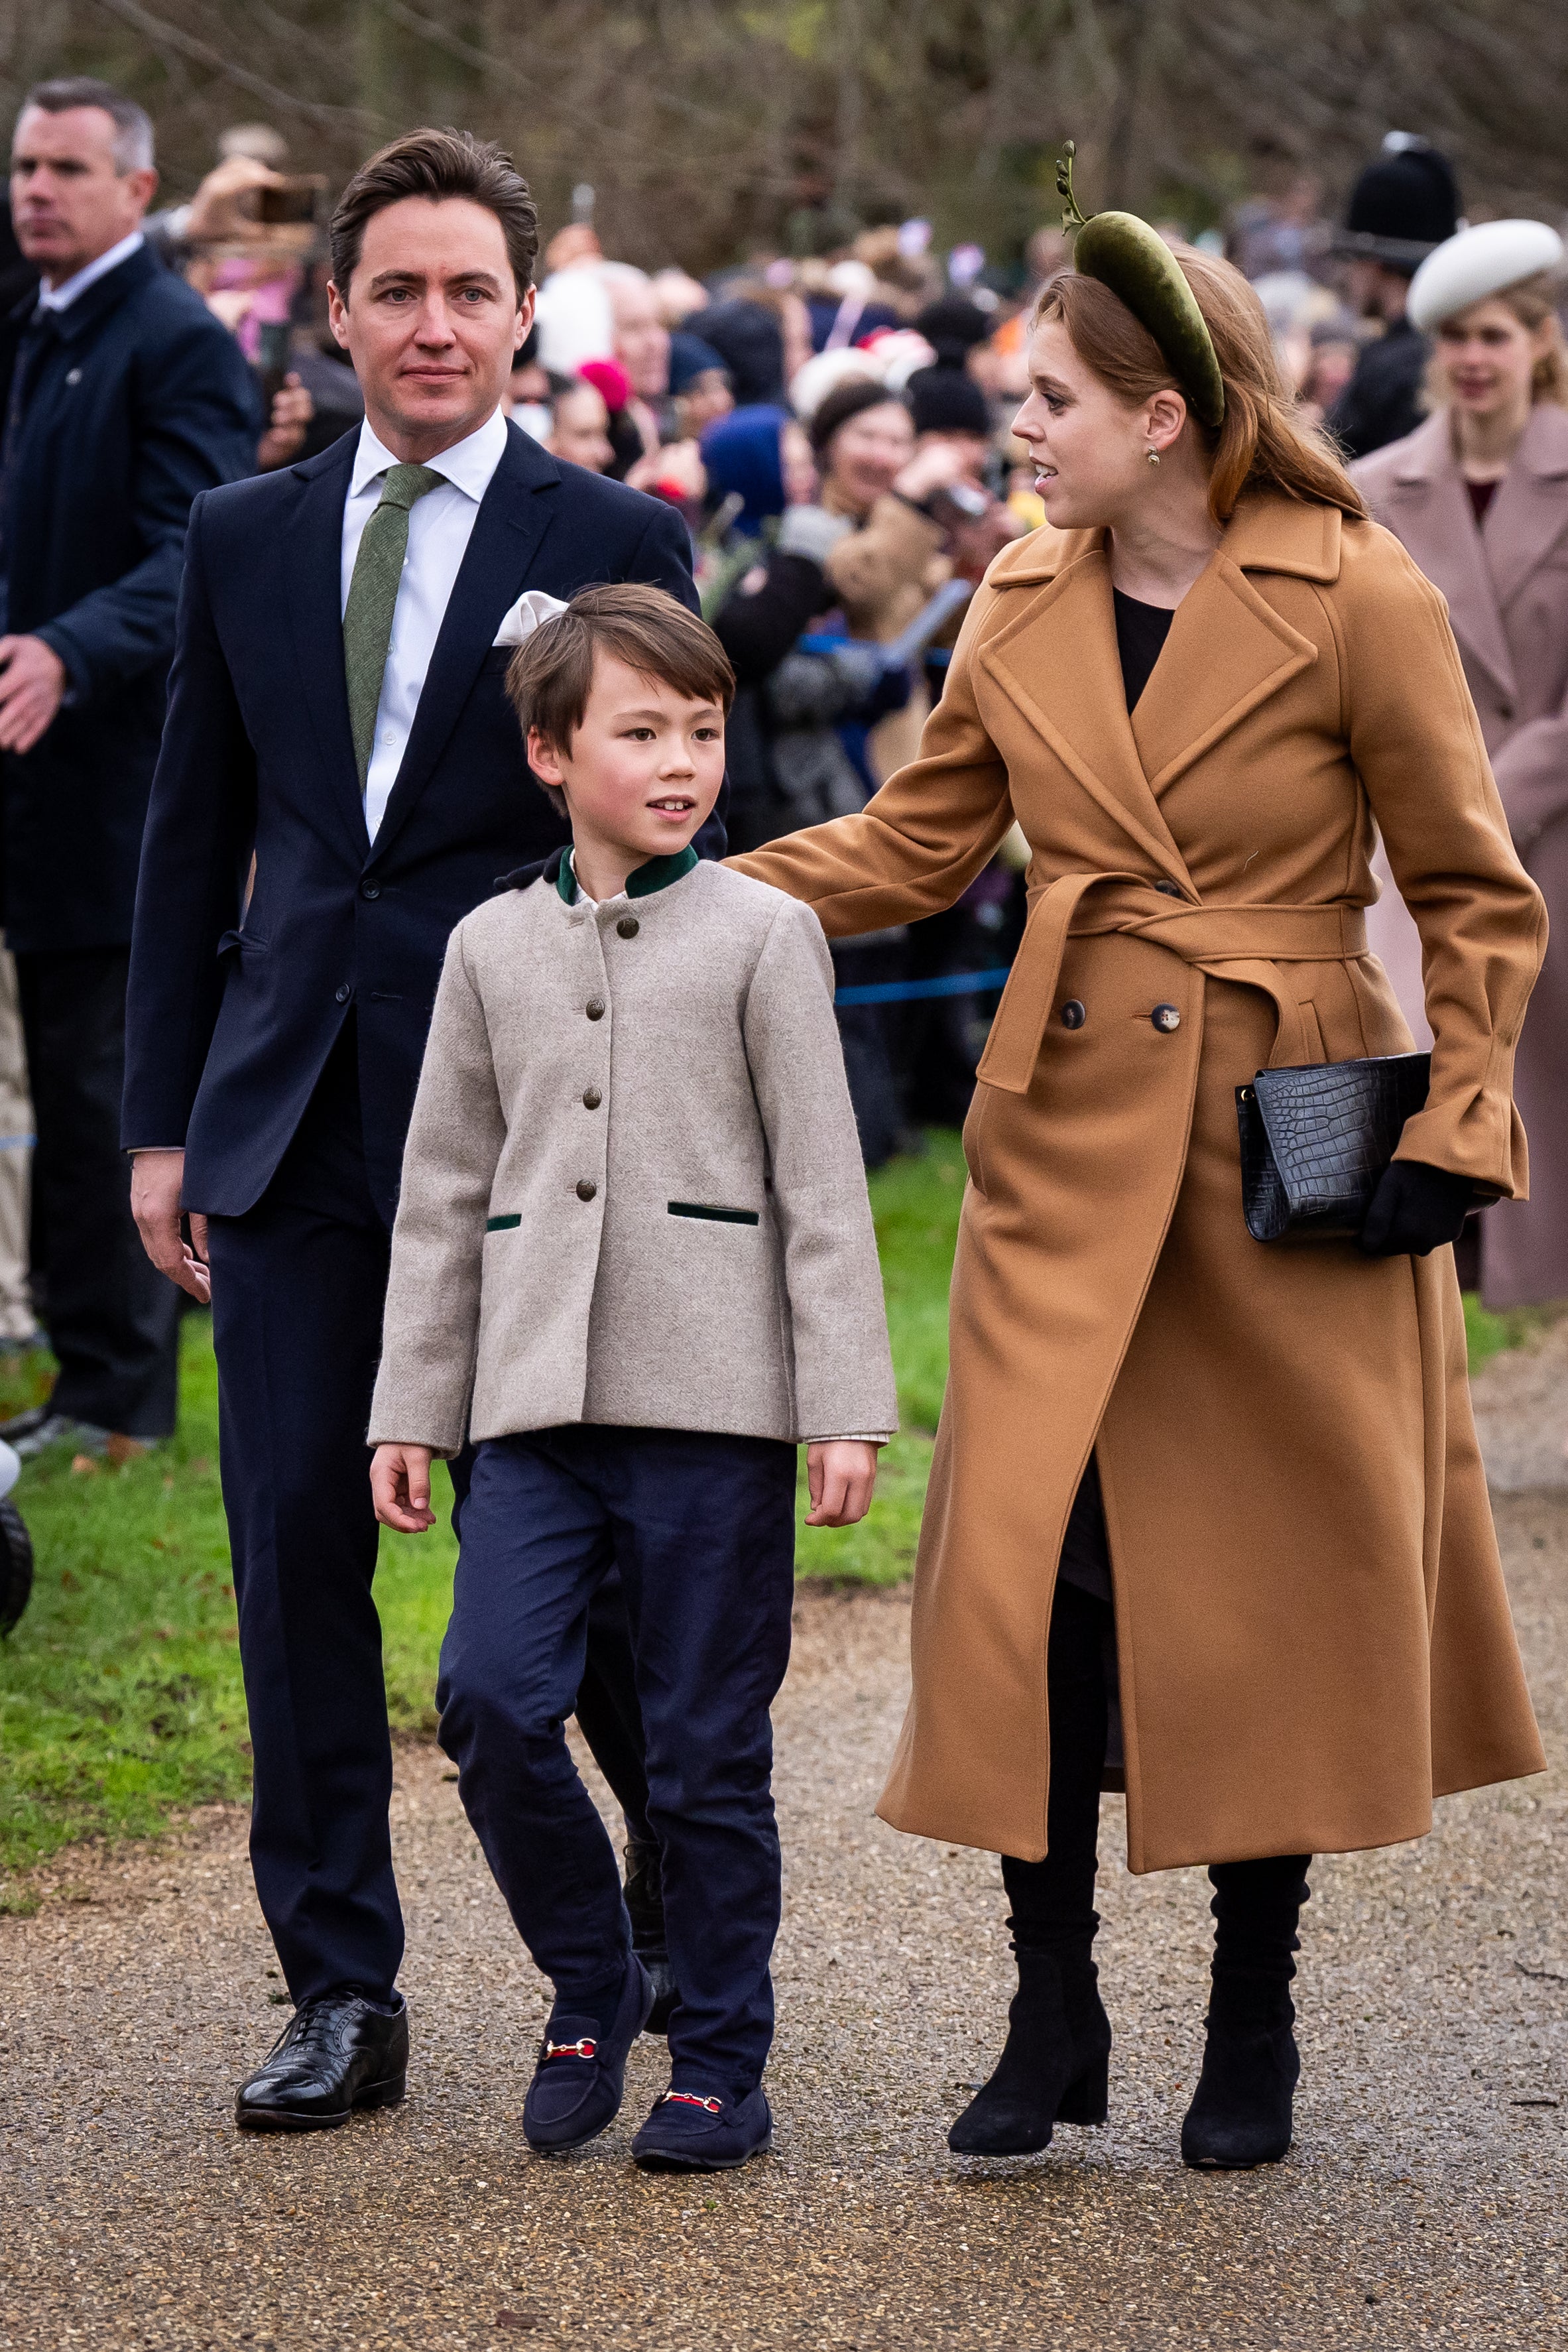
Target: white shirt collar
[594, 905]
[468, 464]
[60, 297]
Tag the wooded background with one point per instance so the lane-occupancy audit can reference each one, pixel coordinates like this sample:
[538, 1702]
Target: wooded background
[710, 129]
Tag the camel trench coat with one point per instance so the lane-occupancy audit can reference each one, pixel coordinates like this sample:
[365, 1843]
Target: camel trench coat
[1311, 1625]
[1506, 586]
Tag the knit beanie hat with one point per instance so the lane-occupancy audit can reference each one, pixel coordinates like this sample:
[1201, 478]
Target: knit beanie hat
[845, 400]
[691, 357]
[945, 400]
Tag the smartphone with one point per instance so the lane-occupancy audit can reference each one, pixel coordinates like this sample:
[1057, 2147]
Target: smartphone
[272, 359]
[291, 200]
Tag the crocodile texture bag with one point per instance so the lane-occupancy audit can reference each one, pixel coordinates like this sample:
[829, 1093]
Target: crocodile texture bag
[1314, 1141]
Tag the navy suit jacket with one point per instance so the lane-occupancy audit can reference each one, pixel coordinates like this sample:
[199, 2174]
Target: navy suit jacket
[139, 401]
[231, 1016]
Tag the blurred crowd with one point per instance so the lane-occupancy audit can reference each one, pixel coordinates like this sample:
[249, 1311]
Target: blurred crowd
[835, 431]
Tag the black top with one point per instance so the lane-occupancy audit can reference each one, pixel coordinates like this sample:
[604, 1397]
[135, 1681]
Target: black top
[1141, 632]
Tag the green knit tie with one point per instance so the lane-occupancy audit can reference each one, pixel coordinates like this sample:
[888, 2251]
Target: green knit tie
[372, 600]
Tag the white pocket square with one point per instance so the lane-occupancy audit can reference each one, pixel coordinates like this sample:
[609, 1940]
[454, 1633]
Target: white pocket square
[532, 607]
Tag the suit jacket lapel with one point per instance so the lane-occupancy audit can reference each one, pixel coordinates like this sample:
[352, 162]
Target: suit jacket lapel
[1430, 509]
[514, 515]
[311, 567]
[1530, 512]
[1058, 663]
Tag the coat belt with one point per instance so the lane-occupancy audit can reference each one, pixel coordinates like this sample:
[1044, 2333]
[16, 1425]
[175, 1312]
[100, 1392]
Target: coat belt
[1237, 943]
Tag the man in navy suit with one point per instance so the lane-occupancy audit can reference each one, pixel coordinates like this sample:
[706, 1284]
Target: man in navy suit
[341, 780]
[127, 399]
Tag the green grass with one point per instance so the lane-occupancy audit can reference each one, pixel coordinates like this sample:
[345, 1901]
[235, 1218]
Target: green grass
[120, 1696]
[1490, 1335]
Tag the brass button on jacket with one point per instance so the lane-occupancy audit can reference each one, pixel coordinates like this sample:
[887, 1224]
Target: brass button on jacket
[586, 1189]
[1074, 1014]
[628, 927]
[596, 1008]
[593, 1098]
[1166, 1018]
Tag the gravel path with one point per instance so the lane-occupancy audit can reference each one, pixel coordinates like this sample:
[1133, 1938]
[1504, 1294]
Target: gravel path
[1421, 2207]
[1522, 1414]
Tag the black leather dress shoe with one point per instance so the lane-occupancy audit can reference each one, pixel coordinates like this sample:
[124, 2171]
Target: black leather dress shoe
[336, 2053]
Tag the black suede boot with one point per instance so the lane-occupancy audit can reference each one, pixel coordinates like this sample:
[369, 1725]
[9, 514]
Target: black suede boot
[645, 1898]
[1053, 2068]
[1241, 2113]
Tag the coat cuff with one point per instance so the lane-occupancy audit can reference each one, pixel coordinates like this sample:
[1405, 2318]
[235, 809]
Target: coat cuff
[79, 679]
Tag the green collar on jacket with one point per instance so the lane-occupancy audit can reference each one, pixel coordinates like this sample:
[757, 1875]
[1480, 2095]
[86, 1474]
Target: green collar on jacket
[641, 883]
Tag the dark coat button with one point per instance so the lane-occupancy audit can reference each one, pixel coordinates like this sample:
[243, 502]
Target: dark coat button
[1166, 1018]
[587, 1189]
[596, 1008]
[1074, 1015]
[628, 927]
[1169, 890]
[593, 1098]
[370, 889]
[344, 994]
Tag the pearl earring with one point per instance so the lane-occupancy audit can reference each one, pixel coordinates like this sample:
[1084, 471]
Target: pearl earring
[1153, 456]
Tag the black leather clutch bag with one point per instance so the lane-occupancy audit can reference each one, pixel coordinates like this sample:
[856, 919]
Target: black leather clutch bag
[1314, 1141]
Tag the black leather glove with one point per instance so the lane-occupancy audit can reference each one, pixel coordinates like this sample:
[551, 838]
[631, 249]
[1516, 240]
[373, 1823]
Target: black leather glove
[1416, 1209]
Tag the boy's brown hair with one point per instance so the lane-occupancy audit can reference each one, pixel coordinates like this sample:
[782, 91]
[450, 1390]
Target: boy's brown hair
[550, 676]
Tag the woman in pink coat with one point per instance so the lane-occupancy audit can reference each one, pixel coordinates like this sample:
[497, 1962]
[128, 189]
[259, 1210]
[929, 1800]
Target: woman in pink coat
[1479, 495]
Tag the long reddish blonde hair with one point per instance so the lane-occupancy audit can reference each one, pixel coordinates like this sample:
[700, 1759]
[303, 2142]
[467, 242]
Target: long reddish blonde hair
[1263, 443]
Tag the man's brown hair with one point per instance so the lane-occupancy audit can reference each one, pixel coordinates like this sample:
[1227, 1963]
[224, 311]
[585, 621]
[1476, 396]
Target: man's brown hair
[550, 676]
[438, 164]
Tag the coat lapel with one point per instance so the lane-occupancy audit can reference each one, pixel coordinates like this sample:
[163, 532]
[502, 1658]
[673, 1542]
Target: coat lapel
[1429, 508]
[1530, 512]
[311, 563]
[514, 515]
[1058, 663]
[1229, 650]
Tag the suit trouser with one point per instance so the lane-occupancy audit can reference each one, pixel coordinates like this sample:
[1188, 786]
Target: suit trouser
[702, 1530]
[113, 1319]
[298, 1290]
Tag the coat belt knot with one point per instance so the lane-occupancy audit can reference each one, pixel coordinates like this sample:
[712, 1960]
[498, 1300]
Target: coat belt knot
[1238, 943]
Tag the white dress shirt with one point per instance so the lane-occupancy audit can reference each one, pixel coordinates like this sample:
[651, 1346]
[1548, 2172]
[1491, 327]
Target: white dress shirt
[439, 526]
[60, 297]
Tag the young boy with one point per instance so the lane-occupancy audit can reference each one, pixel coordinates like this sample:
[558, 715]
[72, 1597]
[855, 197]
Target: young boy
[634, 1263]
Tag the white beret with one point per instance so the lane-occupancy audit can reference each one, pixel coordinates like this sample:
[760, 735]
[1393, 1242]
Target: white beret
[1479, 262]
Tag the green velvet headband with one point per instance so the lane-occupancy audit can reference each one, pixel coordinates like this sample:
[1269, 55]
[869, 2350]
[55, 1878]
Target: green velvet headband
[1125, 254]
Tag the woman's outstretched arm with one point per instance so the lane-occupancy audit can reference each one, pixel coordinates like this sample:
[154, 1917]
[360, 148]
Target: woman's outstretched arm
[915, 847]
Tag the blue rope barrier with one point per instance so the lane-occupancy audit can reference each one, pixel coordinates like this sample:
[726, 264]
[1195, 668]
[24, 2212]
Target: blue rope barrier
[906, 992]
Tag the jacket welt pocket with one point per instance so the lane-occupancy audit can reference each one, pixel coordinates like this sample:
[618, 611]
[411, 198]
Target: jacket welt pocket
[502, 1224]
[714, 1216]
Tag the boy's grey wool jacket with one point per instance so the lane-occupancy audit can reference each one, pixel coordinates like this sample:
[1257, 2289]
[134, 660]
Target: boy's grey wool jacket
[633, 1190]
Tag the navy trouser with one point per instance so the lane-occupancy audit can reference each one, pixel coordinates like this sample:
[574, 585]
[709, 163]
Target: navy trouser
[299, 1285]
[702, 1531]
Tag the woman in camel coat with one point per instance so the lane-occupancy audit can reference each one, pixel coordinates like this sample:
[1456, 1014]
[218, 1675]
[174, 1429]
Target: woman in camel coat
[1479, 495]
[1264, 1454]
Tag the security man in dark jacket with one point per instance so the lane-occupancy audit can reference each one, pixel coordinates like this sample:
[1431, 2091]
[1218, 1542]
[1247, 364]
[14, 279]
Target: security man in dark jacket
[127, 398]
[1403, 205]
